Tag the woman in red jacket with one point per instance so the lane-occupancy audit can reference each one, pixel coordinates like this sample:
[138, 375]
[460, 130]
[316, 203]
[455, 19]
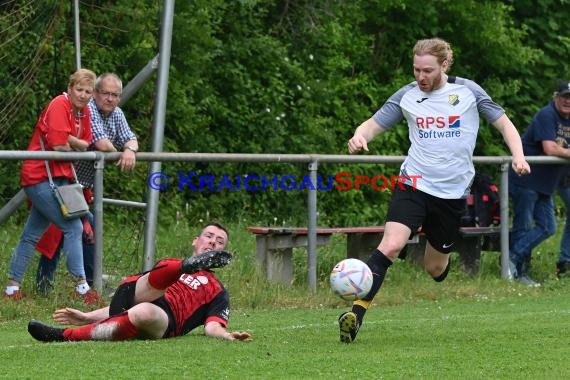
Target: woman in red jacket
[63, 126]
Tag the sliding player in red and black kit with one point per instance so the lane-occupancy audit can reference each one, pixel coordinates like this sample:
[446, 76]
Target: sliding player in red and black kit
[172, 299]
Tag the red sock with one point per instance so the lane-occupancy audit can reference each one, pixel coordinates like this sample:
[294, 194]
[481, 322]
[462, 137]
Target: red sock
[165, 273]
[118, 327]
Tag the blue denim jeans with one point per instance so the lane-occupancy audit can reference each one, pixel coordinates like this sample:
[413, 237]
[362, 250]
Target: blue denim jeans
[47, 266]
[533, 222]
[564, 193]
[45, 210]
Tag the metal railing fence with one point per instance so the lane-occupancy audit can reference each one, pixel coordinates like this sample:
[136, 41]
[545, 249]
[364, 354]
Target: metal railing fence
[312, 160]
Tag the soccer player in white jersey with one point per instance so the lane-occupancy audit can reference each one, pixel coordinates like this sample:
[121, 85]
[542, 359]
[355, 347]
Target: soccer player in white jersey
[442, 113]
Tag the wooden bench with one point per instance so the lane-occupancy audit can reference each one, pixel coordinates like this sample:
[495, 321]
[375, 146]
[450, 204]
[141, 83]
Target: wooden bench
[274, 246]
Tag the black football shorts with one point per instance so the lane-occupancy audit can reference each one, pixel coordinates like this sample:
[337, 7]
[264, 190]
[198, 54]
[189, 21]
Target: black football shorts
[438, 218]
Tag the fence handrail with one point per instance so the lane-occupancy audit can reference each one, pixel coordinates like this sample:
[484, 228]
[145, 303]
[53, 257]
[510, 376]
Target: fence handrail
[250, 157]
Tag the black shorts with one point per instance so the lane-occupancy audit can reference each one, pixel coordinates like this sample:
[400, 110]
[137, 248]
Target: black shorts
[124, 299]
[439, 218]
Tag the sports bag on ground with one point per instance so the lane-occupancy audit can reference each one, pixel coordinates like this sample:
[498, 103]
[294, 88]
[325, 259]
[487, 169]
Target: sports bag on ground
[483, 203]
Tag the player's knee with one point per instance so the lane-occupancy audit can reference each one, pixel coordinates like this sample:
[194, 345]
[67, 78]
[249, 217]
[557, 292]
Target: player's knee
[391, 250]
[149, 318]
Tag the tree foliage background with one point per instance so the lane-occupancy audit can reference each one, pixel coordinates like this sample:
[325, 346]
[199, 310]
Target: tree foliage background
[273, 76]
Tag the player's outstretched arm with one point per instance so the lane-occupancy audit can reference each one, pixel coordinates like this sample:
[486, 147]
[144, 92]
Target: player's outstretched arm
[70, 316]
[363, 135]
[216, 330]
[513, 140]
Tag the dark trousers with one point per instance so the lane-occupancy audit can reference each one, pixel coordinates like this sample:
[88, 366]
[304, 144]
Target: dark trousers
[47, 266]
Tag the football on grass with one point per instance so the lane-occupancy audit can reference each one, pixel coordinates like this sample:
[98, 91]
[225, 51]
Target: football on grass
[351, 279]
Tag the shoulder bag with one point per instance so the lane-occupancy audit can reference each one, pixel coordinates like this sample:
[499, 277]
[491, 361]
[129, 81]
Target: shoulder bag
[69, 197]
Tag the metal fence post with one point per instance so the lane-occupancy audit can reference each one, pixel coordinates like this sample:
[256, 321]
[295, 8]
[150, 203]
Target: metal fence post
[312, 227]
[98, 221]
[505, 223]
[158, 130]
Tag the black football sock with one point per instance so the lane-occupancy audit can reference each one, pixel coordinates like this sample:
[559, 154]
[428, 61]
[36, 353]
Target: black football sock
[378, 264]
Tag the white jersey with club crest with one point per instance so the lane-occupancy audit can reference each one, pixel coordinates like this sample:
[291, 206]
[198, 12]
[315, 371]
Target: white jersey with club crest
[443, 126]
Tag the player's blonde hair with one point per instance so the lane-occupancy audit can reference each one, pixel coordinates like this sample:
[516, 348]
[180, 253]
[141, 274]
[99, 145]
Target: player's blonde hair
[436, 47]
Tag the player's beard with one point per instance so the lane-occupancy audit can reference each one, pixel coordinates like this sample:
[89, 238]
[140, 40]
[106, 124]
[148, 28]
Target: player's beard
[435, 84]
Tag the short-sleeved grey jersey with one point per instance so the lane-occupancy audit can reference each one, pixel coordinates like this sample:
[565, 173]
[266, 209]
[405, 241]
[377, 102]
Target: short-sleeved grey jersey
[443, 127]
